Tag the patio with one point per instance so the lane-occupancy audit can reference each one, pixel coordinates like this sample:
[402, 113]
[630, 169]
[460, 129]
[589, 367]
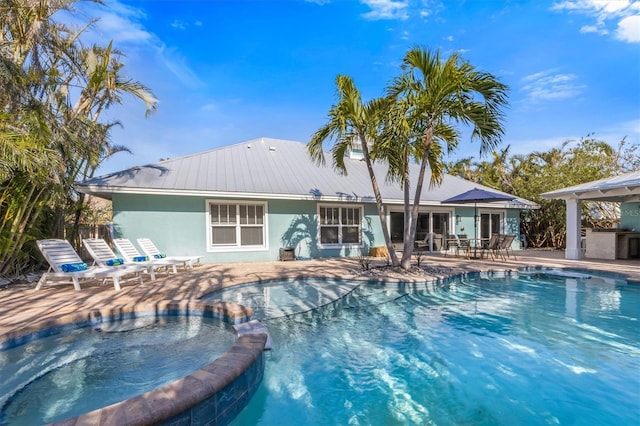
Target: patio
[23, 307]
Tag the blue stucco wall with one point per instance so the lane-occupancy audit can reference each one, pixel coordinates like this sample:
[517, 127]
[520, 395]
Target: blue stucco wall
[175, 224]
[178, 226]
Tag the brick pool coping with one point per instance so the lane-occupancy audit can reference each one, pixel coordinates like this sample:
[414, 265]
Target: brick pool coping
[214, 394]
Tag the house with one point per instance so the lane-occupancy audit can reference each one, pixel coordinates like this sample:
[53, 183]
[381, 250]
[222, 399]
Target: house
[620, 243]
[245, 202]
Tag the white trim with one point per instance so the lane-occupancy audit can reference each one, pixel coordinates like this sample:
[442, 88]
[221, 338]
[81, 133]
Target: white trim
[340, 245]
[95, 190]
[236, 247]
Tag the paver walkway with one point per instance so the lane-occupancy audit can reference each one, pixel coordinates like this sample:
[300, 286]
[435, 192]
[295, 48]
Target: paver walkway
[22, 307]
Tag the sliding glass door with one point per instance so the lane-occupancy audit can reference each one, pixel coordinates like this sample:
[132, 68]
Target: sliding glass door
[431, 231]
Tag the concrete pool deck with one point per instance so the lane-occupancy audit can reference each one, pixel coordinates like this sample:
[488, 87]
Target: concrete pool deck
[22, 307]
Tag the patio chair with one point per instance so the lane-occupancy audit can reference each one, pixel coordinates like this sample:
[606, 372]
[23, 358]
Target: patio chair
[423, 244]
[505, 246]
[66, 265]
[464, 245]
[131, 254]
[451, 244]
[493, 247]
[103, 256]
[152, 251]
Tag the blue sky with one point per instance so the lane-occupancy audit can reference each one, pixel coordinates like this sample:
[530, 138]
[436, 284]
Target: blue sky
[229, 71]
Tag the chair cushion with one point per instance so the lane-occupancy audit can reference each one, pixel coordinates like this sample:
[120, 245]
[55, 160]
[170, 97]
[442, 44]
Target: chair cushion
[74, 267]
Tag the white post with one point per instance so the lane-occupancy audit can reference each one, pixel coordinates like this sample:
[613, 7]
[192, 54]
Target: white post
[574, 224]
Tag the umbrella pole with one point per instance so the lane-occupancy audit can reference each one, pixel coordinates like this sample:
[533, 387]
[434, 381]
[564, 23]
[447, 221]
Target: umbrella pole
[475, 220]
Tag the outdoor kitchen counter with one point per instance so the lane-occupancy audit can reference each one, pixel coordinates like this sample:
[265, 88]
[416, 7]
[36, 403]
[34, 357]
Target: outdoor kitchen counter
[612, 244]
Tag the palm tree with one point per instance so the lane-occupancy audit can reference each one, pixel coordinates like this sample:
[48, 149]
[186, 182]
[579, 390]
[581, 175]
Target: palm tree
[102, 84]
[353, 123]
[48, 140]
[431, 97]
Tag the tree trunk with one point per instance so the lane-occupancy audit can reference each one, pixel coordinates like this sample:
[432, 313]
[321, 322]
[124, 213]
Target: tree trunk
[379, 205]
[407, 241]
[406, 257]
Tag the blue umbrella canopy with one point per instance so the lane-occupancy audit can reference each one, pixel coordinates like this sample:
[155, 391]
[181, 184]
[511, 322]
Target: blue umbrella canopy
[477, 195]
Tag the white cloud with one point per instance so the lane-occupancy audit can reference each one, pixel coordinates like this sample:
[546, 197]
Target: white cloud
[125, 25]
[629, 29]
[623, 14]
[177, 64]
[593, 29]
[550, 86]
[182, 25]
[121, 29]
[386, 9]
[179, 24]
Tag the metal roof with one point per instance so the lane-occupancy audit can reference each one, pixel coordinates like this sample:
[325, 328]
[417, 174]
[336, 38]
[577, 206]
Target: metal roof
[622, 188]
[269, 169]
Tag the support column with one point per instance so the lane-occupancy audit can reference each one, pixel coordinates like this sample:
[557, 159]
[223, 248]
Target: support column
[573, 250]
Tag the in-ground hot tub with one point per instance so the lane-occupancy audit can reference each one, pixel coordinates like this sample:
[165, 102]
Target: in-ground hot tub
[196, 369]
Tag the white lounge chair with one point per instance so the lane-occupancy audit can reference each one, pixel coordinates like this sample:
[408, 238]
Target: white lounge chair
[103, 256]
[66, 264]
[151, 250]
[131, 254]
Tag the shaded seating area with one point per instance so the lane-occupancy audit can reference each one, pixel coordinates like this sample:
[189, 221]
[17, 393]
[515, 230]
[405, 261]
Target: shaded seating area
[66, 266]
[497, 246]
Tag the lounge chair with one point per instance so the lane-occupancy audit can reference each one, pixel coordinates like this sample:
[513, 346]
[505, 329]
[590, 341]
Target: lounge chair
[104, 256]
[65, 264]
[131, 254]
[152, 251]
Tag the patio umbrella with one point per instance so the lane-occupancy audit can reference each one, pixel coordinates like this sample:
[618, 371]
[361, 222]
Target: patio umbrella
[475, 196]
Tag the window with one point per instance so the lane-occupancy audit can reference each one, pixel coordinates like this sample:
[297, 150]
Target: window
[340, 225]
[491, 223]
[239, 225]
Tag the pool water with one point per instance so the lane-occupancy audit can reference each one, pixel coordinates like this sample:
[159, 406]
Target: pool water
[526, 349]
[74, 372]
[286, 297]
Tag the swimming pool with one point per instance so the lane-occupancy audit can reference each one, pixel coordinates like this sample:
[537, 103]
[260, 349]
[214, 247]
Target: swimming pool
[537, 347]
[85, 368]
